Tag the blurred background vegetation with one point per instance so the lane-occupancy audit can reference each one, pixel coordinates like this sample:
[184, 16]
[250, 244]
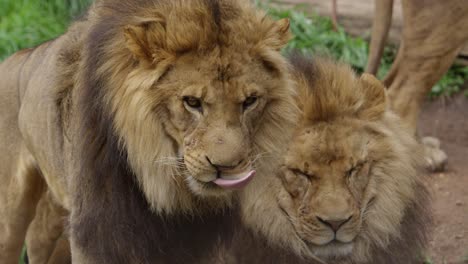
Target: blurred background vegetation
[27, 23]
[315, 34]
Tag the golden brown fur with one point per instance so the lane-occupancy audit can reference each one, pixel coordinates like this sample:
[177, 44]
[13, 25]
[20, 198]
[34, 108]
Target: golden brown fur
[100, 119]
[352, 172]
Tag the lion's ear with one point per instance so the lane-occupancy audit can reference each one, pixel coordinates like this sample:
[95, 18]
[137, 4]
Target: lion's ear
[375, 103]
[146, 41]
[279, 34]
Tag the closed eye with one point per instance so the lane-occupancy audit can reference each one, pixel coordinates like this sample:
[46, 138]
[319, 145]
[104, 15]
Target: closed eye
[351, 172]
[301, 173]
[249, 102]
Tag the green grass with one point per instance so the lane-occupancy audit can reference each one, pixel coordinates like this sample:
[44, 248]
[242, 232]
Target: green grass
[451, 82]
[27, 23]
[23, 255]
[314, 34]
[428, 260]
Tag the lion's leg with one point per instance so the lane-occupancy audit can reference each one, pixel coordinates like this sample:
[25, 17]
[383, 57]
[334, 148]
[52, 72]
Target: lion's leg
[61, 253]
[412, 81]
[427, 50]
[380, 27]
[45, 231]
[20, 199]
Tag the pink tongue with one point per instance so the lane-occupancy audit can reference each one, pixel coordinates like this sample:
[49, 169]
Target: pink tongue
[235, 183]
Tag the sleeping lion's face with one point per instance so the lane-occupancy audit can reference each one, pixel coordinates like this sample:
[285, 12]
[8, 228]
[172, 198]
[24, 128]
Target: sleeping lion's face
[326, 175]
[214, 111]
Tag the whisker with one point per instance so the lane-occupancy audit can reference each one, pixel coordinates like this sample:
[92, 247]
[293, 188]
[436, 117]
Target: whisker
[259, 156]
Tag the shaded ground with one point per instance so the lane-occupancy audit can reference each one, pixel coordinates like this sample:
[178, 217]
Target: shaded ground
[447, 119]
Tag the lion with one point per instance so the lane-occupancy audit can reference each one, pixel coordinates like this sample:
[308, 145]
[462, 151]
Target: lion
[142, 122]
[428, 48]
[350, 188]
[352, 173]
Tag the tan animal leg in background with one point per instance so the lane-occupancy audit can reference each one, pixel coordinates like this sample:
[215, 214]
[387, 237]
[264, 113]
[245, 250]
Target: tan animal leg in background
[380, 26]
[433, 33]
[23, 193]
[45, 234]
[335, 15]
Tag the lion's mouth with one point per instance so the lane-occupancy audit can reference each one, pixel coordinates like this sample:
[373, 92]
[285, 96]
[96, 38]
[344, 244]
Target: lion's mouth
[333, 249]
[234, 181]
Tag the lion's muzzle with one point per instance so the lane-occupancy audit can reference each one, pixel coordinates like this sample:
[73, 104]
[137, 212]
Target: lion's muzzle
[219, 156]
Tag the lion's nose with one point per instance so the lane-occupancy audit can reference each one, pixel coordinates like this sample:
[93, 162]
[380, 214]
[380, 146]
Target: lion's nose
[224, 167]
[334, 224]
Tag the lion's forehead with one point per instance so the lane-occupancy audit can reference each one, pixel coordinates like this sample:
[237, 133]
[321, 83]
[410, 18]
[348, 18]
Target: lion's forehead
[222, 72]
[324, 150]
[211, 88]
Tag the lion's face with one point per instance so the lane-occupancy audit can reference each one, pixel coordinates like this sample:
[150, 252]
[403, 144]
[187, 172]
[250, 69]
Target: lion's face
[199, 91]
[214, 112]
[326, 172]
[351, 172]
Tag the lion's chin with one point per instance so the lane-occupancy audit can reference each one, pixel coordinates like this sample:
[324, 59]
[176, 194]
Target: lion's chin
[333, 250]
[207, 189]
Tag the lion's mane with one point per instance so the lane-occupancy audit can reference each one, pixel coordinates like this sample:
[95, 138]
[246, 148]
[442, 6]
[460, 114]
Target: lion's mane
[396, 224]
[116, 186]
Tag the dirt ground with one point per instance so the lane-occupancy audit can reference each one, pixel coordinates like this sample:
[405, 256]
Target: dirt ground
[447, 119]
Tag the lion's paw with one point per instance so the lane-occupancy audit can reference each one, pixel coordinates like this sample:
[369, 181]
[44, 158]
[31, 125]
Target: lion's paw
[436, 159]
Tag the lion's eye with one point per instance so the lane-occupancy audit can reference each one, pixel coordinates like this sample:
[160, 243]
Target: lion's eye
[301, 173]
[353, 170]
[249, 101]
[193, 102]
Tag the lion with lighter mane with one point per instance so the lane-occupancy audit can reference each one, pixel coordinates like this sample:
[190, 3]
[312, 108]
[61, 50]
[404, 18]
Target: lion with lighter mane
[143, 115]
[350, 188]
[351, 176]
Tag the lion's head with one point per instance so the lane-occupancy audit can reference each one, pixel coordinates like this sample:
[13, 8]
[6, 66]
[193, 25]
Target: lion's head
[195, 89]
[351, 172]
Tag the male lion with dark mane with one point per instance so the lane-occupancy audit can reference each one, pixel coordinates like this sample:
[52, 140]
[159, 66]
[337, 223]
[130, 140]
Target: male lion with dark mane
[352, 173]
[140, 121]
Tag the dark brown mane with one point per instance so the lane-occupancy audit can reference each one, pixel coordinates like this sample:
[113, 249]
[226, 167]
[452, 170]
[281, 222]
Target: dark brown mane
[415, 231]
[107, 190]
